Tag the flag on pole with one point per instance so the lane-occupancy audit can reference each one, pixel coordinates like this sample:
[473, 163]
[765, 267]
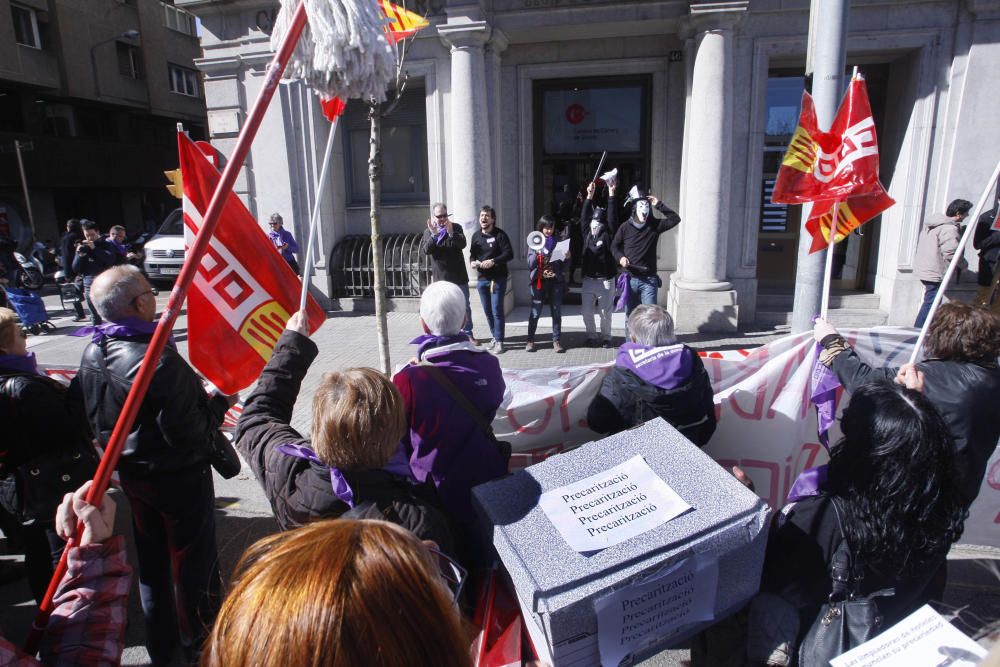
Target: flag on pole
[243, 292]
[826, 166]
[402, 22]
[851, 214]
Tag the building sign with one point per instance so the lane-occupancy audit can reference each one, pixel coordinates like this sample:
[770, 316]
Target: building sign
[592, 120]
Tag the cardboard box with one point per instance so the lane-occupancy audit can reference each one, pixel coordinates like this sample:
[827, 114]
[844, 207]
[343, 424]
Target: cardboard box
[652, 590]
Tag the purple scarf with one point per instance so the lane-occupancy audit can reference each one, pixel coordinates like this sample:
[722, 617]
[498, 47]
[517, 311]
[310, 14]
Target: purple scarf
[441, 233]
[667, 366]
[20, 363]
[125, 328]
[550, 243]
[621, 284]
[340, 487]
[823, 388]
[425, 342]
[808, 483]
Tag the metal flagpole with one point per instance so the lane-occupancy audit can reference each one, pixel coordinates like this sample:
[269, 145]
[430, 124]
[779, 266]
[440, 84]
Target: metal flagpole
[955, 259]
[109, 461]
[314, 221]
[828, 267]
[826, 58]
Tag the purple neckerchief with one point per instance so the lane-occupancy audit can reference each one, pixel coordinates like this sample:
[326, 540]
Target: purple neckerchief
[119, 246]
[20, 363]
[808, 483]
[823, 388]
[340, 487]
[621, 284]
[550, 243]
[425, 342]
[666, 366]
[441, 233]
[124, 328]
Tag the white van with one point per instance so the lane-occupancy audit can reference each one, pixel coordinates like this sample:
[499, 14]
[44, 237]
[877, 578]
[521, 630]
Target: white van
[165, 251]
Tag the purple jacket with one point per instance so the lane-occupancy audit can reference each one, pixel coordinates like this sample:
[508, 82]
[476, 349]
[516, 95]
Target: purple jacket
[280, 238]
[443, 441]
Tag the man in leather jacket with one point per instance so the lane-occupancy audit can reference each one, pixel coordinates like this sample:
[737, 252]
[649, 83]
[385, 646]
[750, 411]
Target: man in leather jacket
[164, 468]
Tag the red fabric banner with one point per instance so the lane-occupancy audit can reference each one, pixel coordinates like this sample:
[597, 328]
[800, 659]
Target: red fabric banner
[851, 214]
[831, 165]
[244, 291]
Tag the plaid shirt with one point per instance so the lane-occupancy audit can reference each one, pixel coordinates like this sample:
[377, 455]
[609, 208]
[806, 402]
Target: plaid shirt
[87, 626]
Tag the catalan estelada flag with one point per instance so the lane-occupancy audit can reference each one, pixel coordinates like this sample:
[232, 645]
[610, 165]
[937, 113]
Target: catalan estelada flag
[243, 293]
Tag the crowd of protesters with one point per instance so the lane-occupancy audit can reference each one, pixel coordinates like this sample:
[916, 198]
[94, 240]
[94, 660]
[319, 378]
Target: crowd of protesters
[378, 531]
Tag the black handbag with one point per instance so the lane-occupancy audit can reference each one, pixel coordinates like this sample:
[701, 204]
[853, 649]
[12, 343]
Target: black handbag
[224, 458]
[846, 620]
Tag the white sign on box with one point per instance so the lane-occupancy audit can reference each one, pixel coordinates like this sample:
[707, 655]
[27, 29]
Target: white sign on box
[922, 639]
[641, 614]
[612, 506]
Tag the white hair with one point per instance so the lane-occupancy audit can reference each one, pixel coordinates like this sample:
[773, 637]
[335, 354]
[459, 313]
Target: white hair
[114, 291]
[442, 308]
[651, 325]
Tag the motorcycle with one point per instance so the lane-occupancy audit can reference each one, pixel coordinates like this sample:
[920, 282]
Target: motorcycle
[30, 273]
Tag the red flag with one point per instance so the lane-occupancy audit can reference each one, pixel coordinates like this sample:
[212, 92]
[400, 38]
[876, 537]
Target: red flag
[332, 107]
[835, 164]
[402, 22]
[851, 214]
[243, 293]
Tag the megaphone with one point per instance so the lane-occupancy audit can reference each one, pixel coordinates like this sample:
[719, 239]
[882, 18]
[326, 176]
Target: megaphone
[536, 241]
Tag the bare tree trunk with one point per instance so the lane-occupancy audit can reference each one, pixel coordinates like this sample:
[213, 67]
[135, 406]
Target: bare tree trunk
[375, 195]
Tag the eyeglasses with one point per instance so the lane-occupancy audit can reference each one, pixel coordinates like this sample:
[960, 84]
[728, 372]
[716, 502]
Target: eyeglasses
[443, 216]
[452, 573]
[141, 294]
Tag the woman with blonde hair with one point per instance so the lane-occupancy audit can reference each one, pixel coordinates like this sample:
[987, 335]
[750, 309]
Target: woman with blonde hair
[341, 593]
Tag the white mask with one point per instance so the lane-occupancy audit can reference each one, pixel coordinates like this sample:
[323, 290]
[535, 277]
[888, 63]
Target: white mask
[595, 227]
[642, 210]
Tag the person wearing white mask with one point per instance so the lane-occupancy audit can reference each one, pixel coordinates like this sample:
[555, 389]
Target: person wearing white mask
[634, 244]
[598, 267]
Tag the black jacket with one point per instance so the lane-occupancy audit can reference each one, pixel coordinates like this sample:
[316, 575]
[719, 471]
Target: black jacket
[89, 263]
[299, 490]
[625, 400]
[500, 251]
[67, 251]
[965, 395]
[447, 261]
[639, 245]
[987, 242]
[177, 421]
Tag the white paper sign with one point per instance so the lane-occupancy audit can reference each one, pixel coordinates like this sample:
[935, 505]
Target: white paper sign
[612, 506]
[560, 251]
[646, 613]
[922, 638]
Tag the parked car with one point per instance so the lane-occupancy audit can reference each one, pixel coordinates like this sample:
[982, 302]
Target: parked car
[165, 251]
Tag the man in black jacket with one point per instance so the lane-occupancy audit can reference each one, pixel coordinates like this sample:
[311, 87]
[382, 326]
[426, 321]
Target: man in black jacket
[655, 376]
[67, 252]
[443, 240]
[164, 468]
[634, 245]
[490, 250]
[94, 255]
[598, 270]
[987, 241]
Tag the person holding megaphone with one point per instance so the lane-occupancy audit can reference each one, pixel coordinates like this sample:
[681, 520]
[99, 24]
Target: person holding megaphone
[547, 281]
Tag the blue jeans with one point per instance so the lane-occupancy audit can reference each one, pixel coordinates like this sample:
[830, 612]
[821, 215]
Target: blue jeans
[173, 517]
[491, 293]
[641, 290]
[930, 291]
[553, 291]
[468, 308]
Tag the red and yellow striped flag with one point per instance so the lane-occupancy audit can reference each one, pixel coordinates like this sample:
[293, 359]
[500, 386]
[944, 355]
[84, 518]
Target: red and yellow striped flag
[402, 22]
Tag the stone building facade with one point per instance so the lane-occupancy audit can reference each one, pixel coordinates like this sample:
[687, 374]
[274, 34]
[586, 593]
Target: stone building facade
[511, 102]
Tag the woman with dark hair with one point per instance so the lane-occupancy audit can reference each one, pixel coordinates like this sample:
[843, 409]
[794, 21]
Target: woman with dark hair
[893, 482]
[349, 593]
[960, 378]
[547, 284]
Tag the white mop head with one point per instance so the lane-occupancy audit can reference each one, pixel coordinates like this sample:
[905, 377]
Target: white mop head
[343, 51]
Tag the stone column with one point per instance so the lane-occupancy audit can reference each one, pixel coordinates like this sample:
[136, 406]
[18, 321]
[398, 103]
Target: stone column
[470, 162]
[700, 297]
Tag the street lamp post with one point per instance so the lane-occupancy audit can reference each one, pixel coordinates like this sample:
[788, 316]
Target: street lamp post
[128, 34]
